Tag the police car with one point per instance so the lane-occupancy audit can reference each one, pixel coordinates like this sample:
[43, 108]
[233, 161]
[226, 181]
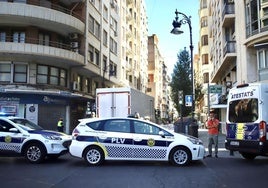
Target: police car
[21, 137]
[97, 140]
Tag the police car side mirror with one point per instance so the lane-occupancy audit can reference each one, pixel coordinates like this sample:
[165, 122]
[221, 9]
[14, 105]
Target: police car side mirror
[161, 133]
[14, 130]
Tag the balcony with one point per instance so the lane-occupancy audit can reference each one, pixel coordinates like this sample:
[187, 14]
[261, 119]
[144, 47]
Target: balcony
[229, 60]
[53, 18]
[31, 50]
[228, 15]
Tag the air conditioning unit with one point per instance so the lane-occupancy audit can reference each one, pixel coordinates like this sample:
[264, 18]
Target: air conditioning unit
[74, 44]
[73, 36]
[75, 86]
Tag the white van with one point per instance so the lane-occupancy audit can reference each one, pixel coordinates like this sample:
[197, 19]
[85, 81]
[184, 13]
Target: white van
[246, 122]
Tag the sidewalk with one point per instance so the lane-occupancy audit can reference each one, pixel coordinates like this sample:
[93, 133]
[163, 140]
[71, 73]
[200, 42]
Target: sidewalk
[203, 135]
[222, 152]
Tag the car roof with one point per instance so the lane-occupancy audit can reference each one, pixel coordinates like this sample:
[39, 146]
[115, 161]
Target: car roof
[88, 120]
[111, 118]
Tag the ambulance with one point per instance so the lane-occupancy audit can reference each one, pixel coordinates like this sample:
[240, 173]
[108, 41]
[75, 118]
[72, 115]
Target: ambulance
[246, 122]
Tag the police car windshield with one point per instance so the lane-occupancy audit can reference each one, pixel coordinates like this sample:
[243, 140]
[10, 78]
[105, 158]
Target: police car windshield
[243, 110]
[26, 124]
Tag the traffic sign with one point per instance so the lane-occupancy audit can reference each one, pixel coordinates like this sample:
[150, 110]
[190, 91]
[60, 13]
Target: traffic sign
[215, 89]
[188, 100]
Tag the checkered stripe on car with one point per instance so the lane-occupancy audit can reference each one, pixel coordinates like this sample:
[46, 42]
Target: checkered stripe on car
[119, 151]
[150, 153]
[135, 153]
[10, 147]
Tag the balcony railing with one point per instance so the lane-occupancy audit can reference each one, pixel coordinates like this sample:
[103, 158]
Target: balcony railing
[55, 7]
[230, 47]
[56, 44]
[228, 9]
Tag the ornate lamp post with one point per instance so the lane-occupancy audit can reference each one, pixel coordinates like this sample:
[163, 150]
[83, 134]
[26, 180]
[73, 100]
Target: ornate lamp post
[176, 30]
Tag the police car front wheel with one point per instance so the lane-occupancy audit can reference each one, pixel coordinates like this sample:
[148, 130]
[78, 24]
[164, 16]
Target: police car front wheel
[180, 156]
[34, 153]
[94, 155]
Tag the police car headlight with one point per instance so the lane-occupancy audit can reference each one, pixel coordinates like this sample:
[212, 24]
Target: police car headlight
[51, 137]
[195, 141]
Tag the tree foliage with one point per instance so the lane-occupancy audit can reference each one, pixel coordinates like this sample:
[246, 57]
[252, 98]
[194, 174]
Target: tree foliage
[181, 80]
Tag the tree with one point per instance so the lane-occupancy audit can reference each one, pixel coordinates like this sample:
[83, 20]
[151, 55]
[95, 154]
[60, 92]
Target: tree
[181, 80]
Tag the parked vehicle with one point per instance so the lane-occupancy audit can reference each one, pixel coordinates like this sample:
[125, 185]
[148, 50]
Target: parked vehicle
[100, 139]
[123, 102]
[21, 137]
[247, 117]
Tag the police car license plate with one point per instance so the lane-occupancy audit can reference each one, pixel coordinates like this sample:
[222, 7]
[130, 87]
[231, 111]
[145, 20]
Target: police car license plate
[234, 143]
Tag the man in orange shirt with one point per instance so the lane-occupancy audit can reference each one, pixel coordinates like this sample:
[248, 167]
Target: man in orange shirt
[213, 131]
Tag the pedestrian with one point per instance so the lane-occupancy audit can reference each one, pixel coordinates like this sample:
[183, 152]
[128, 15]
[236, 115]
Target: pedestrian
[213, 132]
[60, 125]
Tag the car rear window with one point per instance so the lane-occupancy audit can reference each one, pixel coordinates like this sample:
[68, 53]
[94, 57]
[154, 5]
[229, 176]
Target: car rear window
[96, 125]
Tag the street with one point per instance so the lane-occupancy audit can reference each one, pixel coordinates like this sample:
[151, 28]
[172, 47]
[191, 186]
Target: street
[225, 171]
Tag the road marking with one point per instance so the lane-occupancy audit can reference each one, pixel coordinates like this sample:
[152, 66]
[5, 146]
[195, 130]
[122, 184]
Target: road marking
[219, 149]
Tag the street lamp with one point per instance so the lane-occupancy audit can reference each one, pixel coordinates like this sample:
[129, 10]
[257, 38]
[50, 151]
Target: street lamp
[176, 30]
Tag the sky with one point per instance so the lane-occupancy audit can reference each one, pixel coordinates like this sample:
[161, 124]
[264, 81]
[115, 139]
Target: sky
[161, 14]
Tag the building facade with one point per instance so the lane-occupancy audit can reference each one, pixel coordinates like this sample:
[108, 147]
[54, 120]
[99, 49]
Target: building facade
[55, 54]
[237, 45]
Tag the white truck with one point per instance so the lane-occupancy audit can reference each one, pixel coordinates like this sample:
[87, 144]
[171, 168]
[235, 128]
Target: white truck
[247, 117]
[122, 102]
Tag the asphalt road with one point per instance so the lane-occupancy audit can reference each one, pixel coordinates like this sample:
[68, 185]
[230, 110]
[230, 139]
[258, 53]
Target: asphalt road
[68, 172]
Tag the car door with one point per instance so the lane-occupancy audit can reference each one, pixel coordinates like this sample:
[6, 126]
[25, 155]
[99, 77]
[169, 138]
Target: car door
[148, 143]
[117, 139]
[11, 138]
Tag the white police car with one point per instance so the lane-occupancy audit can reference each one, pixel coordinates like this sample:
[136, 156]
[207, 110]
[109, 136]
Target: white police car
[19, 136]
[97, 140]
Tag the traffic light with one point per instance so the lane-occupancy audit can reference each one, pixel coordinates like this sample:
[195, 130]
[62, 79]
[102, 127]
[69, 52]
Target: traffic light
[180, 97]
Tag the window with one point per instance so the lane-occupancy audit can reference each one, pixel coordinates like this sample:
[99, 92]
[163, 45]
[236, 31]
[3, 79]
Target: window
[19, 37]
[117, 126]
[205, 59]
[94, 27]
[105, 38]
[204, 22]
[90, 53]
[54, 76]
[112, 69]
[105, 13]
[5, 72]
[113, 46]
[145, 128]
[203, 4]
[244, 110]
[104, 61]
[80, 83]
[206, 77]
[97, 31]
[51, 75]
[42, 74]
[113, 24]
[63, 77]
[204, 40]
[97, 57]
[91, 24]
[20, 73]
[44, 39]
[5, 126]
[95, 125]
[2, 36]
[87, 85]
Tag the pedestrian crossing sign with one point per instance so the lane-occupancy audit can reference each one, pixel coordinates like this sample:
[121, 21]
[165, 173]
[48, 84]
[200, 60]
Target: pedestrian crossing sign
[188, 100]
